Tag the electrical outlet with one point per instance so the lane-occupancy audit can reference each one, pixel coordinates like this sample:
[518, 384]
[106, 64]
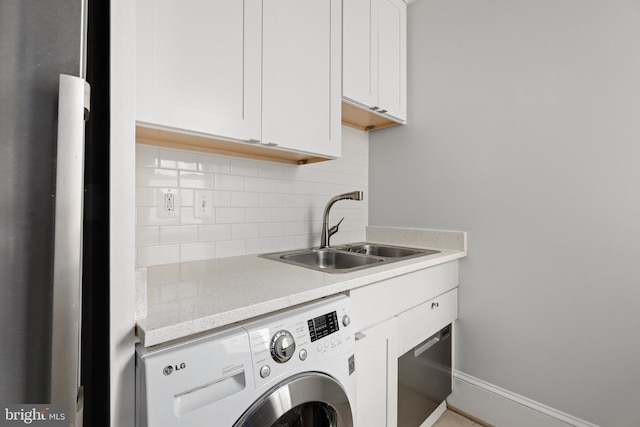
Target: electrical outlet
[168, 203]
[203, 204]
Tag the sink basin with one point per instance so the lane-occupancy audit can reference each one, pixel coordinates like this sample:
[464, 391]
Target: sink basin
[329, 260]
[387, 251]
[347, 258]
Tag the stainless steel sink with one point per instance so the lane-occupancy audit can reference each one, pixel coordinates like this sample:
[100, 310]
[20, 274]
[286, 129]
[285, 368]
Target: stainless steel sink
[328, 259]
[386, 251]
[347, 258]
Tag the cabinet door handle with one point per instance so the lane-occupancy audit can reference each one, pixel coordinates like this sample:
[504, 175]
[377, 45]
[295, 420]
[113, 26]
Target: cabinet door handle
[435, 305]
[269, 144]
[374, 108]
[253, 141]
[382, 111]
[426, 346]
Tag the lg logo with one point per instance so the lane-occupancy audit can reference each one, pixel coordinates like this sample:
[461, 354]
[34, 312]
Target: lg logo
[168, 370]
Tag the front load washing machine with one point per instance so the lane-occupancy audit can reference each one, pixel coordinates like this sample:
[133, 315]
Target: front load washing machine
[294, 368]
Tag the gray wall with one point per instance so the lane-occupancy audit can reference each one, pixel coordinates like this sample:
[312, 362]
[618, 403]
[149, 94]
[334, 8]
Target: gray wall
[524, 130]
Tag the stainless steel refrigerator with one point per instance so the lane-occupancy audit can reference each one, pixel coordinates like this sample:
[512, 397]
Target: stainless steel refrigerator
[51, 181]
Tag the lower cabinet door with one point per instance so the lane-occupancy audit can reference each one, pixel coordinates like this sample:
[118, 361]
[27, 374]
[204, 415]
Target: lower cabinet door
[417, 324]
[377, 376]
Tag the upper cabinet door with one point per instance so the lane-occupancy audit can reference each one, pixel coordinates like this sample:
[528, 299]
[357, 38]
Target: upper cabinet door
[374, 57]
[199, 66]
[392, 57]
[360, 35]
[301, 68]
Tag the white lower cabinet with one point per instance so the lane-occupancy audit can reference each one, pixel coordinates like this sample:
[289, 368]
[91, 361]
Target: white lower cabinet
[419, 323]
[392, 317]
[377, 375]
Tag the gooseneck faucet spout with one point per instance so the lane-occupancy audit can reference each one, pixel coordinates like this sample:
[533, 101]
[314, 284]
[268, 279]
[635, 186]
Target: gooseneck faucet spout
[328, 232]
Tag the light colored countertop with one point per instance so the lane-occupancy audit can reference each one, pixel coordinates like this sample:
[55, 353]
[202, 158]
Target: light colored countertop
[190, 298]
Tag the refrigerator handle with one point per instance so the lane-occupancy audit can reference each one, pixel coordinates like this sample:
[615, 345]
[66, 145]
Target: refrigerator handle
[73, 107]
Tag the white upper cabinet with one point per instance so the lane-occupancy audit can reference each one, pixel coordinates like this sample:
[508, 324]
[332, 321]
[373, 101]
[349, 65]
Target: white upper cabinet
[199, 66]
[265, 72]
[375, 55]
[301, 75]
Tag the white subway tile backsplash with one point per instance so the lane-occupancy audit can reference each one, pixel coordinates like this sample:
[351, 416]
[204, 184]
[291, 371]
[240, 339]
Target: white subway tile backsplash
[259, 246]
[156, 255]
[230, 215]
[229, 182]
[212, 233]
[186, 197]
[244, 167]
[295, 228]
[282, 214]
[198, 251]
[178, 234]
[258, 206]
[244, 200]
[146, 196]
[282, 243]
[274, 229]
[146, 156]
[187, 217]
[282, 186]
[245, 231]
[174, 159]
[147, 236]
[258, 215]
[267, 170]
[148, 215]
[260, 185]
[268, 200]
[196, 180]
[294, 200]
[214, 164]
[152, 177]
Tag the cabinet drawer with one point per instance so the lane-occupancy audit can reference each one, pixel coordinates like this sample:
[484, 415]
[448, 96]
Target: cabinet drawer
[419, 323]
[379, 301]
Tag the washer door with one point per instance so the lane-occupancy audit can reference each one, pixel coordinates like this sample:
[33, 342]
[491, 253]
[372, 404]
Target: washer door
[304, 400]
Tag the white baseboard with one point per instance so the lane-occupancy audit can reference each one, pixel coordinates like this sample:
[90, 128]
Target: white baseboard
[503, 408]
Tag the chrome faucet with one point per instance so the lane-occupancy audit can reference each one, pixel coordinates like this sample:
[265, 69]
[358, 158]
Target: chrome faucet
[328, 232]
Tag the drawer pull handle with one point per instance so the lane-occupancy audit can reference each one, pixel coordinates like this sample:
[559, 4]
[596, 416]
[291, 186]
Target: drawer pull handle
[426, 346]
[435, 305]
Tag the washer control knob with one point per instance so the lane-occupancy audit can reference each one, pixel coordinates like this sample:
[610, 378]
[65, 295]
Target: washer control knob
[283, 346]
[265, 371]
[303, 355]
[346, 320]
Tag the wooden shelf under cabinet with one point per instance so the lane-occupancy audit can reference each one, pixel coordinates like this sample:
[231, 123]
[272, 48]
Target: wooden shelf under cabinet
[362, 119]
[194, 142]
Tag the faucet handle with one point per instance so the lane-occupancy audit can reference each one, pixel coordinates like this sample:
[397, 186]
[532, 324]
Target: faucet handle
[333, 230]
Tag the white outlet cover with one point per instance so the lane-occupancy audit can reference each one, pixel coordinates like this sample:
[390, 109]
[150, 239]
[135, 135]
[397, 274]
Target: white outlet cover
[168, 203]
[203, 204]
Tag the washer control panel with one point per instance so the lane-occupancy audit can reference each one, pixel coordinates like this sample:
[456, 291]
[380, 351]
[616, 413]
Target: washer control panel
[299, 337]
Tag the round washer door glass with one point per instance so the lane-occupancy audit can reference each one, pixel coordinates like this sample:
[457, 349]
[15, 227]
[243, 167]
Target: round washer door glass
[304, 400]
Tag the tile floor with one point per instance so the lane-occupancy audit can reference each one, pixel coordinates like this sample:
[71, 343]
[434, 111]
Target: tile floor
[453, 419]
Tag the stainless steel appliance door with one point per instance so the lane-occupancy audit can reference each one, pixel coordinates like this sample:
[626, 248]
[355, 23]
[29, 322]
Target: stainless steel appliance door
[424, 378]
[38, 41]
[304, 400]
